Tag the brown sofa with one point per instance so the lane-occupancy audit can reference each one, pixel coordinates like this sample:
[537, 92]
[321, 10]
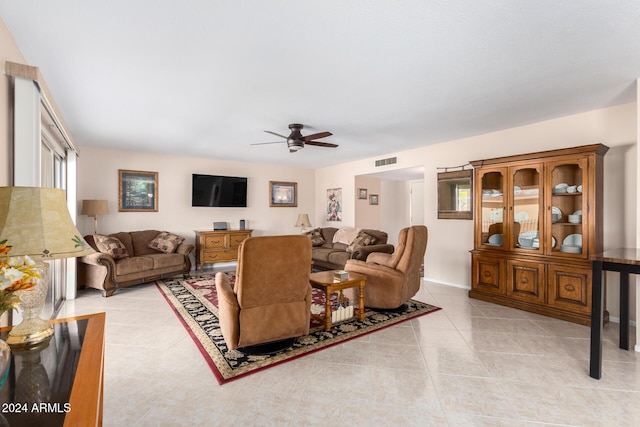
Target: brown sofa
[327, 255]
[142, 264]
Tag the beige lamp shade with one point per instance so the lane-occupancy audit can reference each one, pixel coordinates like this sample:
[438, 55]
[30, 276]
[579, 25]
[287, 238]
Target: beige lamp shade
[303, 221]
[35, 221]
[95, 207]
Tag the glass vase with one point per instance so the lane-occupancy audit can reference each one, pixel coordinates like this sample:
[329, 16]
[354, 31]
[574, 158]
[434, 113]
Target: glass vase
[32, 329]
[5, 361]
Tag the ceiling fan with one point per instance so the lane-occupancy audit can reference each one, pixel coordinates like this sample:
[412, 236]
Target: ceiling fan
[295, 141]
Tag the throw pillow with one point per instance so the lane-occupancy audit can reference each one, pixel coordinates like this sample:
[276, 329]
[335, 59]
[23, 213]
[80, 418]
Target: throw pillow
[166, 242]
[111, 246]
[363, 239]
[316, 237]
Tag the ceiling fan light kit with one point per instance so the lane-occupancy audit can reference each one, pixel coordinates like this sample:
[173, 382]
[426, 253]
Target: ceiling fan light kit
[296, 141]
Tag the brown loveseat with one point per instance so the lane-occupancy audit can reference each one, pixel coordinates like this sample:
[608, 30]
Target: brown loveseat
[329, 255]
[128, 260]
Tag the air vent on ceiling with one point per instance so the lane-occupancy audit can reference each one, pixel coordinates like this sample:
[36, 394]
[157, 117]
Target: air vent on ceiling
[385, 162]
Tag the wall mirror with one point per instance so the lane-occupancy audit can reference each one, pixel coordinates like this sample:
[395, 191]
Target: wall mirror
[455, 199]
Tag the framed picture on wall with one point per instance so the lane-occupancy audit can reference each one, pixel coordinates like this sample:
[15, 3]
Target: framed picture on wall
[362, 193]
[137, 191]
[334, 204]
[373, 199]
[283, 194]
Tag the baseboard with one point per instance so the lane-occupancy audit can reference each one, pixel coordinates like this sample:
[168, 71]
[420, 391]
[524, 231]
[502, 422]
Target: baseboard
[214, 268]
[441, 282]
[617, 320]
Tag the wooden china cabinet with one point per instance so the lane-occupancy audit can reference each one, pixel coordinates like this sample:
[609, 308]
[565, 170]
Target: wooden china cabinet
[538, 219]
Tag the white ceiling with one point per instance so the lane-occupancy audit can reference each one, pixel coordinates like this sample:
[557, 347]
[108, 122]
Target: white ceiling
[205, 78]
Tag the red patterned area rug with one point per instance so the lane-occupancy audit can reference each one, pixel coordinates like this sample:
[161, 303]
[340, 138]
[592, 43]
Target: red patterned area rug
[195, 302]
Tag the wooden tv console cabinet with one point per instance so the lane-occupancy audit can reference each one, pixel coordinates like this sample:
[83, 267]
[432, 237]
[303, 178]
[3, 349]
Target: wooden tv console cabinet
[218, 245]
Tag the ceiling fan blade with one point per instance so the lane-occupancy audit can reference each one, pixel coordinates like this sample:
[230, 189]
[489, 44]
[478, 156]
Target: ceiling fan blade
[316, 136]
[264, 143]
[321, 144]
[276, 134]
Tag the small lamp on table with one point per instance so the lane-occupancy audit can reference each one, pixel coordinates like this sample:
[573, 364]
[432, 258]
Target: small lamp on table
[35, 222]
[303, 222]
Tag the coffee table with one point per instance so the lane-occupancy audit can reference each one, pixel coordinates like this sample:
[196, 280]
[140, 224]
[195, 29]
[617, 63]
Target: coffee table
[324, 281]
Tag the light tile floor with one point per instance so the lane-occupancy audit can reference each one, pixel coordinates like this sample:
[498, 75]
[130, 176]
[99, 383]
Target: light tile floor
[471, 364]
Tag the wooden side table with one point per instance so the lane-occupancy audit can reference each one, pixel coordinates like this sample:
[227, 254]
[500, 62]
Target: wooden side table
[624, 261]
[324, 281]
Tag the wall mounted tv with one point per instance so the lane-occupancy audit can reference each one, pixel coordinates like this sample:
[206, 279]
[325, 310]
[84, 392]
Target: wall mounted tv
[219, 191]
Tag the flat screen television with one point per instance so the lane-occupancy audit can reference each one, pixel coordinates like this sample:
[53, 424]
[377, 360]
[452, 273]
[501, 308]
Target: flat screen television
[219, 191]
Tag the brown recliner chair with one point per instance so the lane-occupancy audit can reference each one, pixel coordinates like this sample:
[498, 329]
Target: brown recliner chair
[392, 279]
[271, 298]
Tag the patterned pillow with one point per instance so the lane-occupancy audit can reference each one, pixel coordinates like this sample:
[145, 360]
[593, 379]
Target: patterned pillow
[362, 239]
[111, 246]
[316, 237]
[166, 242]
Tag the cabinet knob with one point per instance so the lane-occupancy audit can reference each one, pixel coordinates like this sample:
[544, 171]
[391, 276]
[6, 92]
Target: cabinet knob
[486, 274]
[524, 280]
[569, 287]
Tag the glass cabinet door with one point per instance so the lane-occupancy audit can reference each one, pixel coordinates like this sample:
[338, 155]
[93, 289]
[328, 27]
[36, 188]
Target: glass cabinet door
[526, 207]
[566, 205]
[491, 208]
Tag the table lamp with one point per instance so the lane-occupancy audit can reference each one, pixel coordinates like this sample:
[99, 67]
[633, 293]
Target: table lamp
[94, 208]
[303, 221]
[35, 221]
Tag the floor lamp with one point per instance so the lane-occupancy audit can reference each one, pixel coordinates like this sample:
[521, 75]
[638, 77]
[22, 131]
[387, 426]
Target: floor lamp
[94, 208]
[35, 221]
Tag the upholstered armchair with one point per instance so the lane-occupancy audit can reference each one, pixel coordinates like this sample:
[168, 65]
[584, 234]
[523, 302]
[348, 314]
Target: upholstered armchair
[271, 298]
[392, 279]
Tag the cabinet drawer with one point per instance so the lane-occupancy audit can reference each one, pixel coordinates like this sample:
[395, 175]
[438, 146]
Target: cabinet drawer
[569, 288]
[525, 280]
[219, 256]
[235, 240]
[488, 274]
[214, 242]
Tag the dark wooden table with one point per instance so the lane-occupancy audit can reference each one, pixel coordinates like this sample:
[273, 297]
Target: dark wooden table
[624, 261]
[58, 382]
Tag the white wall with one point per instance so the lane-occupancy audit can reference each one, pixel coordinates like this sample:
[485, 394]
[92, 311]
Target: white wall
[447, 259]
[637, 212]
[367, 215]
[395, 201]
[98, 179]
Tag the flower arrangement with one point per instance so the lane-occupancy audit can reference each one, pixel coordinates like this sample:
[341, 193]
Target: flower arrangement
[16, 274]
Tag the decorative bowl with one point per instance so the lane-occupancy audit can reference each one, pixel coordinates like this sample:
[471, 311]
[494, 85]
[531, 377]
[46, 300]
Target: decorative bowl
[571, 249]
[495, 240]
[575, 219]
